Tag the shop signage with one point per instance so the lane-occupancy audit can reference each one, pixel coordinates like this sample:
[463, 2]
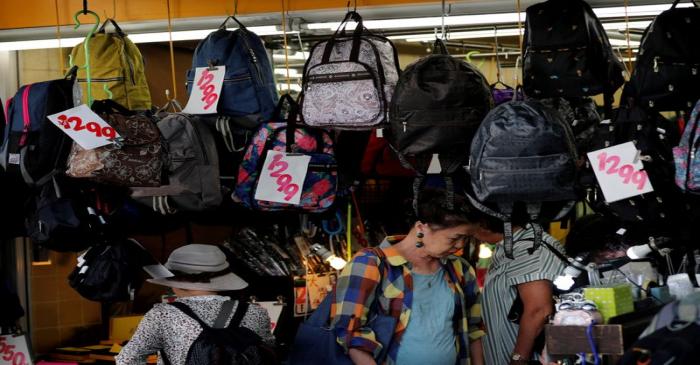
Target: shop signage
[14, 350]
[619, 172]
[282, 177]
[85, 127]
[206, 90]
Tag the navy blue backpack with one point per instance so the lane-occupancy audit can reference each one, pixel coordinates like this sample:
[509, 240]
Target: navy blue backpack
[33, 148]
[248, 96]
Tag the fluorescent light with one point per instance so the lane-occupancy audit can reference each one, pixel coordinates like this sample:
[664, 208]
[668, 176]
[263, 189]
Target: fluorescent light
[488, 19]
[623, 43]
[292, 56]
[293, 87]
[458, 35]
[185, 35]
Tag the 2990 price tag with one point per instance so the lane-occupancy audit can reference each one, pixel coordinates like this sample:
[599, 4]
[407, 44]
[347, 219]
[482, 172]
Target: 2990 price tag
[282, 178]
[618, 174]
[206, 90]
[85, 127]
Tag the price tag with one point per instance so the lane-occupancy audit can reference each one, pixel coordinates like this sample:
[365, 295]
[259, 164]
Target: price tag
[282, 177]
[14, 350]
[274, 310]
[619, 176]
[85, 127]
[206, 90]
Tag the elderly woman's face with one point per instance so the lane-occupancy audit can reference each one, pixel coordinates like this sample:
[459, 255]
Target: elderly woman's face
[442, 242]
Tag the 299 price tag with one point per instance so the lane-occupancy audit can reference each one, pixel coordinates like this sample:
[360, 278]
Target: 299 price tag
[14, 350]
[282, 178]
[619, 175]
[206, 90]
[85, 127]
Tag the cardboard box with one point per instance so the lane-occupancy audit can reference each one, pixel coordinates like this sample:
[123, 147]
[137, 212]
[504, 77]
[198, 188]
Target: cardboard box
[121, 328]
[611, 300]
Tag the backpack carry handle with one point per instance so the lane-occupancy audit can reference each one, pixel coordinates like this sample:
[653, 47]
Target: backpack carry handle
[678, 1]
[439, 47]
[351, 15]
[118, 30]
[240, 25]
[108, 106]
[340, 32]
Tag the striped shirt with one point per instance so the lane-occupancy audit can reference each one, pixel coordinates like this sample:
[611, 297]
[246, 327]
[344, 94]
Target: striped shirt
[500, 289]
[355, 293]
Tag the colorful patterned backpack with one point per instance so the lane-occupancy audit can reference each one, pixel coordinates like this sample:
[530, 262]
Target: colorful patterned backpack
[320, 185]
[687, 155]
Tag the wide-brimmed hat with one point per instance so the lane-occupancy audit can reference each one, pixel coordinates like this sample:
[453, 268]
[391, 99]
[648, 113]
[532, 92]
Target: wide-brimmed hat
[198, 260]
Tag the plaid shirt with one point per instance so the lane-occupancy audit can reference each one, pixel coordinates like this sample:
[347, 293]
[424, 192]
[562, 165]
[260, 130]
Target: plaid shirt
[355, 293]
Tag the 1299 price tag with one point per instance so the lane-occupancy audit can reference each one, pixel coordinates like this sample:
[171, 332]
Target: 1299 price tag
[85, 127]
[282, 178]
[206, 90]
[618, 174]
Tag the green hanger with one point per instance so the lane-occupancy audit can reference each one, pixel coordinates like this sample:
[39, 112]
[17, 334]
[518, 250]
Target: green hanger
[86, 46]
[469, 59]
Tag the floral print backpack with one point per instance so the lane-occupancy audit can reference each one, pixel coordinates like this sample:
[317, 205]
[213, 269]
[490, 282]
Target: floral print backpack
[687, 155]
[320, 185]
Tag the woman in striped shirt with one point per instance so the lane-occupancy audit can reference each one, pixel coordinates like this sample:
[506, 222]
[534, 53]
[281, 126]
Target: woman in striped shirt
[432, 292]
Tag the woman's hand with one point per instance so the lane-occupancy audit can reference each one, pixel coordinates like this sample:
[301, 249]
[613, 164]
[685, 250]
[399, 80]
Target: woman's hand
[360, 357]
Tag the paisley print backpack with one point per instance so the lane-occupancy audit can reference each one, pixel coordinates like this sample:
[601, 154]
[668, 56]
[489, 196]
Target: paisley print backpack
[349, 79]
[320, 185]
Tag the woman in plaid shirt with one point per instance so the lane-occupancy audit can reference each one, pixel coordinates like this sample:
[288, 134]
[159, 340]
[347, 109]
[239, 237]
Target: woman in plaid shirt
[433, 293]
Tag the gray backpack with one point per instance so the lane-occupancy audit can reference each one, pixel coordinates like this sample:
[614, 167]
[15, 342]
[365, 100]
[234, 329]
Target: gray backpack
[193, 168]
[349, 79]
[523, 152]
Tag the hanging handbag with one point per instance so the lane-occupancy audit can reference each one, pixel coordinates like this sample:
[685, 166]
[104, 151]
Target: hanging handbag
[316, 342]
[135, 159]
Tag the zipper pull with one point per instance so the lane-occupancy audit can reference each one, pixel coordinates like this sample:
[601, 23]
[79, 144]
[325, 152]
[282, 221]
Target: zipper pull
[404, 126]
[656, 64]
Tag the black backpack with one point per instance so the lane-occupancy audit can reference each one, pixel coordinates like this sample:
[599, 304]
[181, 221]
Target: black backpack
[655, 136]
[61, 216]
[582, 115]
[667, 71]
[675, 344]
[109, 271]
[522, 153]
[437, 106]
[221, 344]
[567, 52]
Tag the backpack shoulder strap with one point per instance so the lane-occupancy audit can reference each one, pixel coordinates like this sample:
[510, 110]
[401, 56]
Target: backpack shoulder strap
[189, 312]
[225, 311]
[241, 310]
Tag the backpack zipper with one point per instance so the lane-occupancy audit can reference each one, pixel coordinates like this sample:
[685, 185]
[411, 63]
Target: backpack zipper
[25, 115]
[339, 77]
[691, 151]
[201, 145]
[253, 58]
[107, 79]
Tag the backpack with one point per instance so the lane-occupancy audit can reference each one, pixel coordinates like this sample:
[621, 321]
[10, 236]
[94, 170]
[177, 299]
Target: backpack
[135, 159]
[524, 153]
[567, 52]
[193, 174]
[667, 70]
[380, 160]
[34, 149]
[348, 81]
[687, 156]
[117, 71]
[223, 344]
[248, 95]
[675, 344]
[655, 137]
[582, 115]
[61, 217]
[438, 104]
[321, 183]
[109, 271]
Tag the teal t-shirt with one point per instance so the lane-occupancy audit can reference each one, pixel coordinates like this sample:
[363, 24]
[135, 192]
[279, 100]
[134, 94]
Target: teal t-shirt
[430, 337]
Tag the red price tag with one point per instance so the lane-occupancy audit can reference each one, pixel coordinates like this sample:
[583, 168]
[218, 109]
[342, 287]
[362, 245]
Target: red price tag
[282, 178]
[206, 90]
[85, 127]
[619, 172]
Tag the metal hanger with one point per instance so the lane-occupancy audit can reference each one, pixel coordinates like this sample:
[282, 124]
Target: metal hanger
[499, 80]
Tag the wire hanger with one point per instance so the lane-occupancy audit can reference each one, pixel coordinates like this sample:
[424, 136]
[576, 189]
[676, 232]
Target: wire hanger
[86, 46]
[499, 80]
[445, 14]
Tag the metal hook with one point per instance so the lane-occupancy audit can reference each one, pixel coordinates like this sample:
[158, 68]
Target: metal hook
[106, 90]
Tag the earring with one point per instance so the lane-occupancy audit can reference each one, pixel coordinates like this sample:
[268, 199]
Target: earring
[419, 239]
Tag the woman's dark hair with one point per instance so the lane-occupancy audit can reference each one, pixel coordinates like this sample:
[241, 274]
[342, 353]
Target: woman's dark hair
[438, 208]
